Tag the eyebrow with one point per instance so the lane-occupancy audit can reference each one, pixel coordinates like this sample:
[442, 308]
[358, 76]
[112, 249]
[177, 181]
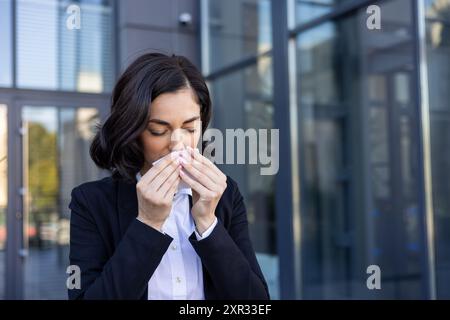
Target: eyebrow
[165, 123]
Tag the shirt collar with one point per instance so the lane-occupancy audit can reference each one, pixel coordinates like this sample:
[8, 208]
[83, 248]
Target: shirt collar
[179, 190]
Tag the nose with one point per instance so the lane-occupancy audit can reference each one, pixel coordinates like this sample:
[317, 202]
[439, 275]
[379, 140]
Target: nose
[177, 140]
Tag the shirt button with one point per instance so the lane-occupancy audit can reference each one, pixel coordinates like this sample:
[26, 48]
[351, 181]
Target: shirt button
[178, 280]
[174, 247]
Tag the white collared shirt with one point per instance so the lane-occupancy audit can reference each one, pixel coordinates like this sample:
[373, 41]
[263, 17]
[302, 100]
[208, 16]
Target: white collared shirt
[179, 275]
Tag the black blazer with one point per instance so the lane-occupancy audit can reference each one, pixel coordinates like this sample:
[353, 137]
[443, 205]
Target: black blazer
[117, 254]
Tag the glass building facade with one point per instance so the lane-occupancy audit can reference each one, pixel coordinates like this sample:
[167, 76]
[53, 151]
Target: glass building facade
[363, 116]
[54, 88]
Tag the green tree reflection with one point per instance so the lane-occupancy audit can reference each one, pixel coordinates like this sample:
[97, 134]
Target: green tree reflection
[43, 179]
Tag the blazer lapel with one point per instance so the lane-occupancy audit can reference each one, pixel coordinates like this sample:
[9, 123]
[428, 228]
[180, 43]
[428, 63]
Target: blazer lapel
[127, 205]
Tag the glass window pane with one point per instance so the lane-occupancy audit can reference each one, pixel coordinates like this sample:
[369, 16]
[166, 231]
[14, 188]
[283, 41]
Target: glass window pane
[438, 61]
[56, 159]
[54, 55]
[244, 100]
[5, 43]
[437, 9]
[306, 10]
[359, 157]
[3, 194]
[238, 29]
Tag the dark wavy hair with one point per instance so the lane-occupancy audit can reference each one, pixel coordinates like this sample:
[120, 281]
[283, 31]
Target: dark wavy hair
[116, 146]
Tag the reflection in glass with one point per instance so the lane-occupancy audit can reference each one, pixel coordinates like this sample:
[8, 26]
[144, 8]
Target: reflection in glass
[359, 158]
[306, 10]
[5, 43]
[238, 29]
[53, 56]
[438, 63]
[55, 151]
[244, 100]
[3, 194]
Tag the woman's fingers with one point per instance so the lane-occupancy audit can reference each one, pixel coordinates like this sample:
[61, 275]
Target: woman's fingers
[172, 189]
[151, 174]
[170, 181]
[163, 175]
[197, 162]
[204, 165]
[200, 173]
[208, 163]
[201, 190]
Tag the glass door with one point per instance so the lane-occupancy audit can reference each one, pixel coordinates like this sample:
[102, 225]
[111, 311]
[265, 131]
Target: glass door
[55, 159]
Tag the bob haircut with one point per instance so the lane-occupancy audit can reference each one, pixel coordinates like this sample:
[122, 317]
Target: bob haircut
[116, 146]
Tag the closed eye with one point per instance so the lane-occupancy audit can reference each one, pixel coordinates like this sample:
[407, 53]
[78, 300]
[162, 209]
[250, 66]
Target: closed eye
[157, 133]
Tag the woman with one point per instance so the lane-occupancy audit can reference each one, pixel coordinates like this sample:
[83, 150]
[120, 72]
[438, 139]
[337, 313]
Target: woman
[137, 234]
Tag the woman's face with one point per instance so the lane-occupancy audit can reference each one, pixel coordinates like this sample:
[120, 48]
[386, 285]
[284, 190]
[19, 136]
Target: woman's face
[174, 123]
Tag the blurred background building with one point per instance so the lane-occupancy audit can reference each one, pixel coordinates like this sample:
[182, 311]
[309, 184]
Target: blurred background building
[364, 120]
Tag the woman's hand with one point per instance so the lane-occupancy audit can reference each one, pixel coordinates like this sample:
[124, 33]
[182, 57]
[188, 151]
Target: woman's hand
[208, 184]
[155, 191]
